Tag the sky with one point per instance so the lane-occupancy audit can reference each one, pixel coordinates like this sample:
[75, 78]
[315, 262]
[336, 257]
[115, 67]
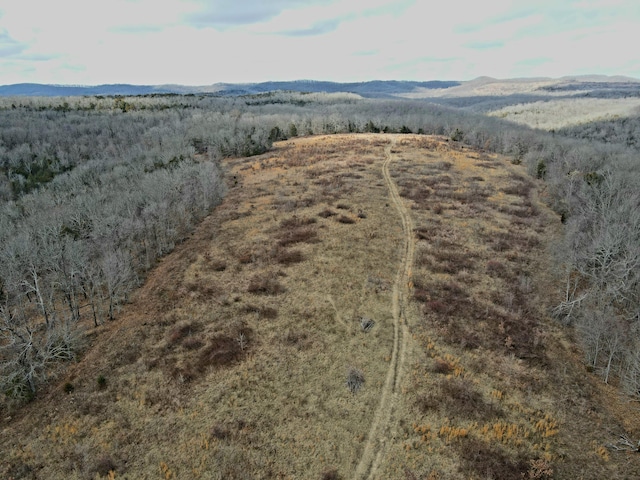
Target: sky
[202, 42]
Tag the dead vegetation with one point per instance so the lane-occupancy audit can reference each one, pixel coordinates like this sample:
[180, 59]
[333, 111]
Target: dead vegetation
[250, 353]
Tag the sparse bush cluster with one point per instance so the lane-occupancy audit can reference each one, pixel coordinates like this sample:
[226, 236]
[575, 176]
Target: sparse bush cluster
[456, 397]
[355, 379]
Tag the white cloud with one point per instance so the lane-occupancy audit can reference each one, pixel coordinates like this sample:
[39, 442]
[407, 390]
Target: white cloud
[203, 41]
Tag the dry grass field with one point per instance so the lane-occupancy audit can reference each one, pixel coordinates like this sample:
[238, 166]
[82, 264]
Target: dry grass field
[559, 113]
[359, 307]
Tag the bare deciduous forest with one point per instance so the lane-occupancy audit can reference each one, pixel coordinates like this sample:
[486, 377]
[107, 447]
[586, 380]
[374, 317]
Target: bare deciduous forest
[95, 190]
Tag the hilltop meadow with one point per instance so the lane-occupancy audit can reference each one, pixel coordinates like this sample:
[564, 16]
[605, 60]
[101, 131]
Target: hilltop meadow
[322, 285]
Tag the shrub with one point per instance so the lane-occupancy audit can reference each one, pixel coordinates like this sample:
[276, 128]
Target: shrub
[298, 235]
[346, 220]
[326, 213]
[330, 474]
[192, 343]
[104, 465]
[492, 461]
[102, 382]
[452, 262]
[299, 340]
[179, 332]
[218, 265]
[442, 367]
[496, 269]
[262, 312]
[457, 135]
[464, 401]
[295, 222]
[245, 257]
[521, 189]
[265, 284]
[355, 379]
[288, 257]
[68, 387]
[222, 350]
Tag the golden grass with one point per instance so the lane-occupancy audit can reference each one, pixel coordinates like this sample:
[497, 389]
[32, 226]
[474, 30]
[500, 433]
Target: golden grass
[232, 360]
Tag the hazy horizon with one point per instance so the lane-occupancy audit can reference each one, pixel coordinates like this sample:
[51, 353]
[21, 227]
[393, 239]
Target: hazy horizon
[196, 42]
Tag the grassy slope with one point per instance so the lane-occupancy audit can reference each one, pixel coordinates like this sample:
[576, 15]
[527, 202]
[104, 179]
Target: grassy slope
[231, 361]
[555, 114]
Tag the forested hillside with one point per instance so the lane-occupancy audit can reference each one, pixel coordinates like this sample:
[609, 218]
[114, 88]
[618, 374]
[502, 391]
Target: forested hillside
[95, 189]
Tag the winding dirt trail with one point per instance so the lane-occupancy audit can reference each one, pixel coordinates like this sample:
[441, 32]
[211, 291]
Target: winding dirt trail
[381, 425]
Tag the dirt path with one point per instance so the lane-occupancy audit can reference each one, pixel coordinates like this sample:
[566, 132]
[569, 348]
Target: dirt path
[381, 425]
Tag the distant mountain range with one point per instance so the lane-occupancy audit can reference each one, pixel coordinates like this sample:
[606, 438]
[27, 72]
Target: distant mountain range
[376, 88]
[596, 85]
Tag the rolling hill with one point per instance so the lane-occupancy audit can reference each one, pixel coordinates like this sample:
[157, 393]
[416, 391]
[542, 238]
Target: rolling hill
[359, 306]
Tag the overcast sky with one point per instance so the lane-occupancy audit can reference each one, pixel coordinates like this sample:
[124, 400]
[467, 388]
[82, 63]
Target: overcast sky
[201, 42]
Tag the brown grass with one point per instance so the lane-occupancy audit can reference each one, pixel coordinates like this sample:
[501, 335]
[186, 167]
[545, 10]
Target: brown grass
[233, 357]
[265, 284]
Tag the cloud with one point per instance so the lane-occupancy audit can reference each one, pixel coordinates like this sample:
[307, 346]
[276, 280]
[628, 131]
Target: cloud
[223, 14]
[206, 41]
[136, 29]
[484, 45]
[318, 28]
[10, 47]
[533, 62]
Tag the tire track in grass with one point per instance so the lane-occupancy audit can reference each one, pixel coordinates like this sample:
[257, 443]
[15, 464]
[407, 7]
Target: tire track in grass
[379, 432]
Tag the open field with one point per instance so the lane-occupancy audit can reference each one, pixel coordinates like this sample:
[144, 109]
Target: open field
[247, 352]
[555, 114]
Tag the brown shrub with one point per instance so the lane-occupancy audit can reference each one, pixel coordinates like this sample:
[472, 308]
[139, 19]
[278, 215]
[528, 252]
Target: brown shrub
[246, 256]
[261, 311]
[462, 400]
[444, 297]
[104, 464]
[442, 366]
[220, 431]
[217, 265]
[268, 312]
[346, 220]
[178, 333]
[265, 284]
[419, 195]
[473, 194]
[222, 350]
[489, 165]
[522, 189]
[297, 339]
[295, 222]
[305, 234]
[192, 343]
[490, 460]
[520, 211]
[437, 306]
[421, 294]
[496, 268]
[330, 474]
[442, 165]
[452, 261]
[458, 398]
[288, 257]
[326, 213]
[429, 232]
[437, 181]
